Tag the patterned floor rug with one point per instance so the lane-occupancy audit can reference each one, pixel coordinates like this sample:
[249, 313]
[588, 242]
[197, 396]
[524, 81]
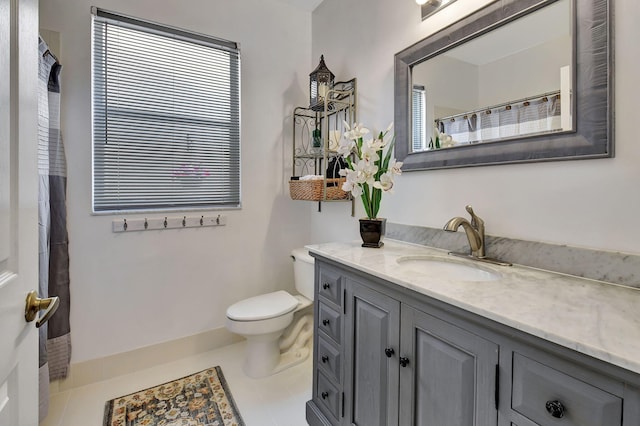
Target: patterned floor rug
[201, 399]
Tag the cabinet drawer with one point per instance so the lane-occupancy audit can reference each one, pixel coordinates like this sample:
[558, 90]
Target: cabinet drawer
[329, 359]
[328, 396]
[540, 391]
[329, 321]
[330, 285]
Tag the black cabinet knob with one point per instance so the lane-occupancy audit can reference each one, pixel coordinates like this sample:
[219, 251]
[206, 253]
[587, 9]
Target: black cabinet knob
[325, 359]
[325, 322]
[389, 352]
[404, 361]
[555, 408]
[324, 395]
[326, 286]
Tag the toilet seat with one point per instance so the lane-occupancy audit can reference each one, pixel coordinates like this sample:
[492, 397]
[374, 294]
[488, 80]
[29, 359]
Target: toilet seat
[263, 307]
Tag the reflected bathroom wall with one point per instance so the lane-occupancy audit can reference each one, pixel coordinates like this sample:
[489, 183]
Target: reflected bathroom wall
[510, 82]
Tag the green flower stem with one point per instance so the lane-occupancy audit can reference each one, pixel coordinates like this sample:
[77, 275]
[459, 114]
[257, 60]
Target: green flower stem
[366, 200]
[387, 157]
[349, 162]
[377, 197]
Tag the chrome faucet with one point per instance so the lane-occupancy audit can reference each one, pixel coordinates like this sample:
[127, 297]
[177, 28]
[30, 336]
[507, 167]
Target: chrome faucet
[473, 229]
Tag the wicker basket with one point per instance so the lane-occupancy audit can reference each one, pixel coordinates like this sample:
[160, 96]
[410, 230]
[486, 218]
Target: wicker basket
[312, 190]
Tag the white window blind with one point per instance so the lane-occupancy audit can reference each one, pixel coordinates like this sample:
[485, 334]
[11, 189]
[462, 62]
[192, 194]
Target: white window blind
[166, 117]
[418, 109]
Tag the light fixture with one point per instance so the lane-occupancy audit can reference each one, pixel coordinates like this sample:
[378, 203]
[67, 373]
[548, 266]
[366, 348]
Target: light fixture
[320, 82]
[429, 7]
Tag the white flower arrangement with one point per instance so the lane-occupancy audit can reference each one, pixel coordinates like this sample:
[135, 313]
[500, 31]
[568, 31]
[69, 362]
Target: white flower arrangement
[370, 169]
[440, 139]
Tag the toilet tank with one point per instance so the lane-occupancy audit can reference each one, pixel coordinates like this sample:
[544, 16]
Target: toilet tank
[303, 272]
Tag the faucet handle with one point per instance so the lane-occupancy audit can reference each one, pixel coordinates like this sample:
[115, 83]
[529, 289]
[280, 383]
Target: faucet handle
[476, 222]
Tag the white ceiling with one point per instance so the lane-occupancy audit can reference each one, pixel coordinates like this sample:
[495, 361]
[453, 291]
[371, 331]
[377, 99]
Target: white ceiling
[308, 5]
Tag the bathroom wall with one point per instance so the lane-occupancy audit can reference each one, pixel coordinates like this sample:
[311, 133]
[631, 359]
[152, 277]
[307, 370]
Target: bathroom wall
[540, 65]
[586, 203]
[137, 289]
[440, 103]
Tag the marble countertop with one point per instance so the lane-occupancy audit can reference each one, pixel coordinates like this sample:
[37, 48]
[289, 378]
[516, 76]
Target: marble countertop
[592, 317]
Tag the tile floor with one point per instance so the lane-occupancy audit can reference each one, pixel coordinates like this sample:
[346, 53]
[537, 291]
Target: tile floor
[278, 400]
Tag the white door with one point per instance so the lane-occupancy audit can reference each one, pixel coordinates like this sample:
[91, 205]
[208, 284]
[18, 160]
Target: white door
[18, 210]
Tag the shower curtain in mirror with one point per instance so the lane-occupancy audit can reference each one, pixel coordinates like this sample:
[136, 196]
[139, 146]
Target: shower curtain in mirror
[55, 338]
[536, 115]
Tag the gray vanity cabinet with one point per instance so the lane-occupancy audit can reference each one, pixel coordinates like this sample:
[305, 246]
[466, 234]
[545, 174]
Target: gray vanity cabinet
[372, 324]
[406, 367]
[401, 366]
[450, 374]
[385, 355]
[328, 346]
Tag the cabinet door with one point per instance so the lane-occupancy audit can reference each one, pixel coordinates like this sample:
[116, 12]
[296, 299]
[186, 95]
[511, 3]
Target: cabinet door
[450, 376]
[372, 323]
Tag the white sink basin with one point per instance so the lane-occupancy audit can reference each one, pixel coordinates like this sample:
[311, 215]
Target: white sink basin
[447, 268]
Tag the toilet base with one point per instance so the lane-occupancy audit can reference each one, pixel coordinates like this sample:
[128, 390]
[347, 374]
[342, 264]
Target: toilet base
[265, 356]
[262, 354]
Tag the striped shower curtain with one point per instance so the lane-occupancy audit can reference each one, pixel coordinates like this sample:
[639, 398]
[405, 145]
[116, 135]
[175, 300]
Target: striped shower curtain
[535, 116]
[55, 338]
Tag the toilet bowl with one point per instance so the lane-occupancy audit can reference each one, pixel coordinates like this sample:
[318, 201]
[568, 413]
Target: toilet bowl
[277, 326]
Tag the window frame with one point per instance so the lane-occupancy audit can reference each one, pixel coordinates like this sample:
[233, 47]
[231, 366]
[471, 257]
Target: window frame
[235, 174]
[422, 93]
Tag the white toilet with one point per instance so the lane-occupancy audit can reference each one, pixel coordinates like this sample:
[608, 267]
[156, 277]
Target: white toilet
[263, 319]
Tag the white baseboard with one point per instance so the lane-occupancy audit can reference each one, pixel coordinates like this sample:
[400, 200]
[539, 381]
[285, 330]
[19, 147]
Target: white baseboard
[99, 369]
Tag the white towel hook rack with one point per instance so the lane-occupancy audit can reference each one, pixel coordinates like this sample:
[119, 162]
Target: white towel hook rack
[166, 222]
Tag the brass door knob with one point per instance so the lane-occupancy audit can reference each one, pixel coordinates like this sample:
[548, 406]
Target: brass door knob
[35, 305]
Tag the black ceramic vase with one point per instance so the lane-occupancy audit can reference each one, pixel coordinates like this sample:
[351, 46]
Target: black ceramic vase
[372, 232]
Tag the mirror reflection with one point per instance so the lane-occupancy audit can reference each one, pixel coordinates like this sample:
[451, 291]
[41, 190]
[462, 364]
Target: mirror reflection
[513, 82]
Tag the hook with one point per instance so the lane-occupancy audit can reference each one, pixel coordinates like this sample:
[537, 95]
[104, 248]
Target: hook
[184, 221]
[165, 221]
[201, 220]
[146, 223]
[218, 220]
[125, 226]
